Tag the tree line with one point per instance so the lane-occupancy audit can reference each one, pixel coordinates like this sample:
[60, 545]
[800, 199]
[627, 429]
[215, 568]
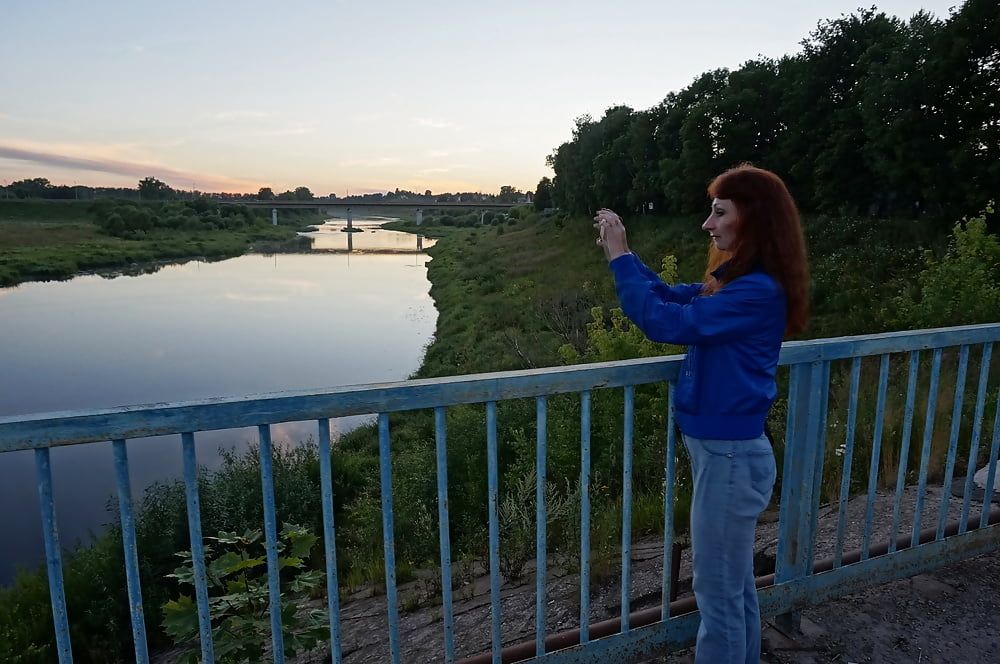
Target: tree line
[875, 115]
[153, 189]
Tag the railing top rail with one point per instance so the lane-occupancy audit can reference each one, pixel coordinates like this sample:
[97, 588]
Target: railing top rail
[840, 348]
[67, 428]
[20, 432]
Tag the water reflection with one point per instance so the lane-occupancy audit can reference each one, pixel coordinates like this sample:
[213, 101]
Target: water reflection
[333, 237]
[248, 325]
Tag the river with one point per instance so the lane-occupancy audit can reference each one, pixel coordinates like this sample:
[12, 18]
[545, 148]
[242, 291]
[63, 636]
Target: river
[355, 309]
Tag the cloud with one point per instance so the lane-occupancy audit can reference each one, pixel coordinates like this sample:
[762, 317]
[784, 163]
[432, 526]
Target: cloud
[434, 123]
[293, 130]
[440, 154]
[122, 167]
[377, 116]
[377, 161]
[242, 115]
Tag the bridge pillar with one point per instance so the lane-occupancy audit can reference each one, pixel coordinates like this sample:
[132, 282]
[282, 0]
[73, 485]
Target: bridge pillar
[420, 217]
[482, 215]
[274, 216]
[350, 220]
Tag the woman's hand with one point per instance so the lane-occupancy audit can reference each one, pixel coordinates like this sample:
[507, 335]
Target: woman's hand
[612, 234]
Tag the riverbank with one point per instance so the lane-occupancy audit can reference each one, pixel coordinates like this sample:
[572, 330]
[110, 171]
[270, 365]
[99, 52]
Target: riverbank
[43, 241]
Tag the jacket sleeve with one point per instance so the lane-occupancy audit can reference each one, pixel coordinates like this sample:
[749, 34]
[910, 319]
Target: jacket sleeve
[731, 313]
[679, 293]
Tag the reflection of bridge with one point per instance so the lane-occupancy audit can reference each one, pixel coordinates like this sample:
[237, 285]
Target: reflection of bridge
[350, 208]
[350, 248]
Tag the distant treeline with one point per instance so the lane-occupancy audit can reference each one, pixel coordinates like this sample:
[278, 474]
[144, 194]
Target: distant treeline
[152, 189]
[875, 115]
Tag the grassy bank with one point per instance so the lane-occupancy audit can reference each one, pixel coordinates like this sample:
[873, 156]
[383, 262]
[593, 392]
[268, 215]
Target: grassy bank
[42, 240]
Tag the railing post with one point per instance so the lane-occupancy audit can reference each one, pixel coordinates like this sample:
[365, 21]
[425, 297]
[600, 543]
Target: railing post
[800, 485]
[53, 556]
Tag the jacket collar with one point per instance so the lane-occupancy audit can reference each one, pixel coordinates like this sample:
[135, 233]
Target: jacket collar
[720, 271]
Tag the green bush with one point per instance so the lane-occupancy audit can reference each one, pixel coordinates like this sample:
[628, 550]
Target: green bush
[962, 287]
[239, 601]
[131, 220]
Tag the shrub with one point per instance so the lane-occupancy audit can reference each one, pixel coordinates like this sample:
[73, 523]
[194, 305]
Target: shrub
[239, 601]
[960, 288]
[517, 514]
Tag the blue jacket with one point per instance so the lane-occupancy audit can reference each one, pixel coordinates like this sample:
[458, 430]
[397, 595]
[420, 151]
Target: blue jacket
[726, 384]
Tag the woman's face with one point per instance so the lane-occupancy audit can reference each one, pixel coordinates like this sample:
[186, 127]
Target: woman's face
[722, 224]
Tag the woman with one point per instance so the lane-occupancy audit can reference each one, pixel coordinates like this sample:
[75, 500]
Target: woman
[755, 291]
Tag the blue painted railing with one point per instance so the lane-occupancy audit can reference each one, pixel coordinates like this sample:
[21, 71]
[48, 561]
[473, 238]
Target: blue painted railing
[798, 580]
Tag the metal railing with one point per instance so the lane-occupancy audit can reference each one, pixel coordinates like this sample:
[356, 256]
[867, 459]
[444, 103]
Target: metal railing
[798, 579]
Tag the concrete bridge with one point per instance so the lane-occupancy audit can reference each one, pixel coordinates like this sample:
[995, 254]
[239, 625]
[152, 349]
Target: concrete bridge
[350, 208]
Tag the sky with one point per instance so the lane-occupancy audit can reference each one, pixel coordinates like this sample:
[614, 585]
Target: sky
[353, 97]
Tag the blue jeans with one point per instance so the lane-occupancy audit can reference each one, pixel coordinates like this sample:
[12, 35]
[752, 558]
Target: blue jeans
[733, 480]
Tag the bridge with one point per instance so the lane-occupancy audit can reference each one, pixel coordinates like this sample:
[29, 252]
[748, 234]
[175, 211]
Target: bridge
[810, 453]
[350, 208]
[337, 204]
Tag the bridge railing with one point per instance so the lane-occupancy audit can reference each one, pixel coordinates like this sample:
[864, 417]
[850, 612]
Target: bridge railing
[799, 578]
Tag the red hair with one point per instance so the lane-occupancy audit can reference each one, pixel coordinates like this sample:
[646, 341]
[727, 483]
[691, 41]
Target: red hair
[769, 236]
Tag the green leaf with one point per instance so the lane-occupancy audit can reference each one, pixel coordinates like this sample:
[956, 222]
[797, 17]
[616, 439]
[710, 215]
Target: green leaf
[231, 562]
[225, 537]
[287, 613]
[302, 543]
[306, 581]
[284, 562]
[180, 618]
[183, 575]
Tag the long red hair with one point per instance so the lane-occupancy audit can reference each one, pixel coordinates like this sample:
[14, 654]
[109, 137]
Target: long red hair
[769, 235]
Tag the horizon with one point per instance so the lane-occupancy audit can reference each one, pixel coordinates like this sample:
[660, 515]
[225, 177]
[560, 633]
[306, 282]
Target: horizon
[451, 98]
[317, 195]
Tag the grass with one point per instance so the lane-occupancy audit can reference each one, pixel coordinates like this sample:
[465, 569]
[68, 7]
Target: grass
[41, 241]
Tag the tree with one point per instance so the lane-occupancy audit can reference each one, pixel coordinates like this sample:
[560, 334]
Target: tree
[509, 194]
[303, 194]
[543, 194]
[151, 189]
[30, 188]
[875, 115]
[265, 194]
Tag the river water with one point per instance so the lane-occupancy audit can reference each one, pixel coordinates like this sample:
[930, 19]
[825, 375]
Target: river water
[355, 309]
